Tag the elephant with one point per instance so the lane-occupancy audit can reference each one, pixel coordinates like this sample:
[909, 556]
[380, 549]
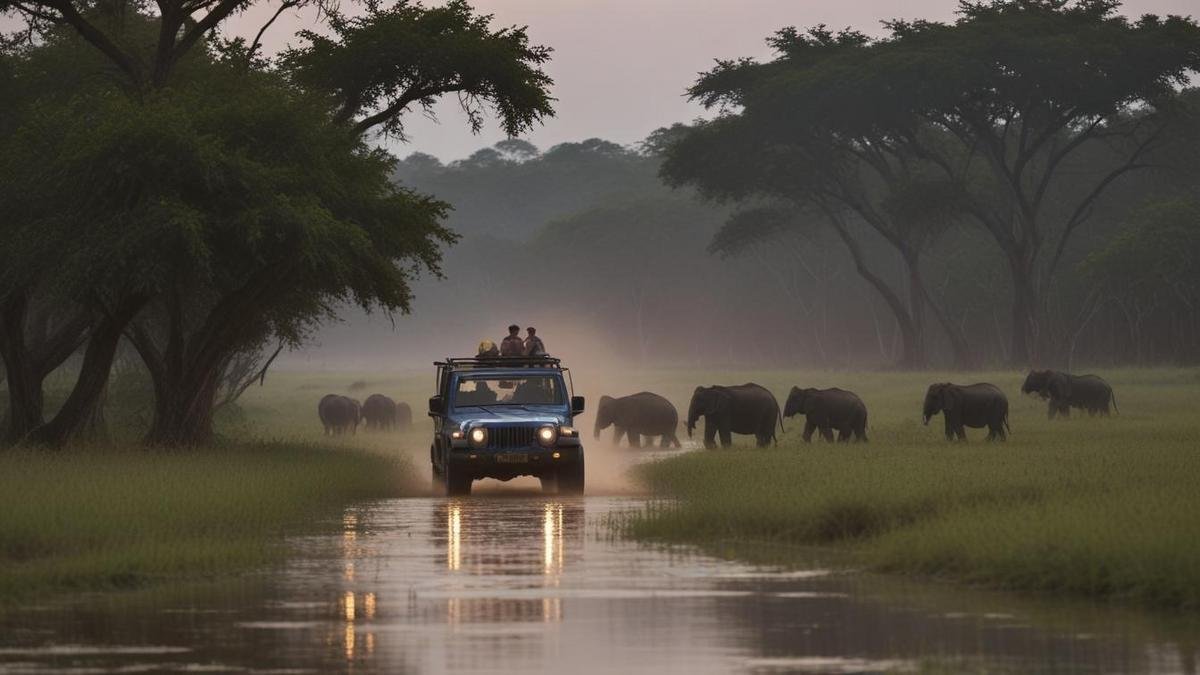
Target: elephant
[380, 412]
[827, 410]
[637, 415]
[743, 409]
[339, 414]
[975, 405]
[1066, 391]
[403, 416]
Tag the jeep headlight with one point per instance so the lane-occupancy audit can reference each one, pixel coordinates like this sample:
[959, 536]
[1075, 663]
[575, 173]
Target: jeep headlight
[547, 435]
[478, 437]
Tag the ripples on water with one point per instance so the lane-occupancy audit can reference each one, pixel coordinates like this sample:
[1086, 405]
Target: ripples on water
[533, 584]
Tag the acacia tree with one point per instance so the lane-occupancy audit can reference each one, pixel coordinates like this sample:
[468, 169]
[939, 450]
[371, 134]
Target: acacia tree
[268, 257]
[1019, 87]
[363, 86]
[1151, 273]
[771, 144]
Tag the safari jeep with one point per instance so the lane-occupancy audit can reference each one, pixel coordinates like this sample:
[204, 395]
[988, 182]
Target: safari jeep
[502, 418]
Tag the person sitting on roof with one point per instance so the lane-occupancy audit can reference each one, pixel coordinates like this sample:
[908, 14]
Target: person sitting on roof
[512, 345]
[533, 344]
[488, 350]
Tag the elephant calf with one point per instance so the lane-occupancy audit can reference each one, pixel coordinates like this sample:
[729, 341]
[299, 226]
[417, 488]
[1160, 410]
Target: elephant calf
[1066, 391]
[976, 406]
[827, 410]
[339, 414]
[637, 415]
[744, 409]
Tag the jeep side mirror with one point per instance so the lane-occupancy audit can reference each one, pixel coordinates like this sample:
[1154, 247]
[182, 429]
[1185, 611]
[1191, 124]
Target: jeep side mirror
[577, 405]
[437, 406]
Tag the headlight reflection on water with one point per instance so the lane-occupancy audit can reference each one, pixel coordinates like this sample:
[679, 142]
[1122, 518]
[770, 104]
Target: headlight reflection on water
[496, 548]
[454, 538]
[552, 538]
[351, 606]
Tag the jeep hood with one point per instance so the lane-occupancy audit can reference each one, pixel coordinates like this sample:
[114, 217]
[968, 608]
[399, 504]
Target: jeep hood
[532, 415]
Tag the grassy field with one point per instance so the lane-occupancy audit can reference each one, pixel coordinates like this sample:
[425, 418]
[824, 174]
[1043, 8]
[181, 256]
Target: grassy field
[113, 515]
[1096, 507]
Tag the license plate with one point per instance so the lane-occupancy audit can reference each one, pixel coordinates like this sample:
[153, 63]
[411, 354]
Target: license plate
[512, 458]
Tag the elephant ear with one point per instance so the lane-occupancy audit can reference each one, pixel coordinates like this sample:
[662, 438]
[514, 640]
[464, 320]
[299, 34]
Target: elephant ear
[951, 397]
[720, 402]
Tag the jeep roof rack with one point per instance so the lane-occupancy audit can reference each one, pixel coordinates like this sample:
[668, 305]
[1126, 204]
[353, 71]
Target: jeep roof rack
[499, 362]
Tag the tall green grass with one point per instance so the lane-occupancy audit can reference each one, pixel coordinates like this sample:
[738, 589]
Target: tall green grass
[97, 518]
[1096, 507]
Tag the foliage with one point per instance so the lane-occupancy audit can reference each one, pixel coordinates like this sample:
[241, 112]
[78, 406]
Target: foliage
[375, 66]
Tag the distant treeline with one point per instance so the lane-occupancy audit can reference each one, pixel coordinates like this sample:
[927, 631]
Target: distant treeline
[1019, 187]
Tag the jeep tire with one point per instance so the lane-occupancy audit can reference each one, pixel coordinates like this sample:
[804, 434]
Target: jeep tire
[457, 483]
[570, 479]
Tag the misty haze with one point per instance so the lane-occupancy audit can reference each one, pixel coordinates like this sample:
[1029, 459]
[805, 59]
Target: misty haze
[524, 336]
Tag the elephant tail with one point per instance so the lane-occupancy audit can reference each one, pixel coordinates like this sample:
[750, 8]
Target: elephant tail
[1113, 395]
[1007, 429]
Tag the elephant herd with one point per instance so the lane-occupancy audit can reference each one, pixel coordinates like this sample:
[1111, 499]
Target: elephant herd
[342, 414]
[751, 409]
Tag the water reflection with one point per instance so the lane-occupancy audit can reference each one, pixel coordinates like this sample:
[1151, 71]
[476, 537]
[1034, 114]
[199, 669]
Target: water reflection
[502, 584]
[502, 538]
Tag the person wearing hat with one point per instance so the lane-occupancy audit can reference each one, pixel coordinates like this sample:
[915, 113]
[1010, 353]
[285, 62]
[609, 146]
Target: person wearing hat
[487, 350]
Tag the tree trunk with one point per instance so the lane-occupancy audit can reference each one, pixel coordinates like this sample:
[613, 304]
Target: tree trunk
[78, 412]
[183, 414]
[1024, 351]
[25, 400]
[913, 353]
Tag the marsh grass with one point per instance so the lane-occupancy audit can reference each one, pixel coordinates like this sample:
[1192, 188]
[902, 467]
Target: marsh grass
[114, 515]
[1104, 508]
[101, 518]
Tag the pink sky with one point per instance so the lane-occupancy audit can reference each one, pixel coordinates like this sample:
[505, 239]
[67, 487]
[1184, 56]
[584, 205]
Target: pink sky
[620, 66]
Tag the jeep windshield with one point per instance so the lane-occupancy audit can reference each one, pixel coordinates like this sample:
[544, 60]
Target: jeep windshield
[509, 390]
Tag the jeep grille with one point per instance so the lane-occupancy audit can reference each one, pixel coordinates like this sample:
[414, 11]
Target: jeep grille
[504, 438]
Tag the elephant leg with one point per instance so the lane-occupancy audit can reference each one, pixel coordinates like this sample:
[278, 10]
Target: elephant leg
[635, 439]
[860, 435]
[809, 427]
[844, 435]
[710, 435]
[1064, 411]
[665, 441]
[950, 432]
[726, 438]
[827, 434]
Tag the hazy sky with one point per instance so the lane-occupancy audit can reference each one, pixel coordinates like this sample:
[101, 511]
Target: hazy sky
[620, 66]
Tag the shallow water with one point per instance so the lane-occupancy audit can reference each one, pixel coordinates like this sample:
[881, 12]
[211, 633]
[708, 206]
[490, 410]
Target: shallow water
[524, 583]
